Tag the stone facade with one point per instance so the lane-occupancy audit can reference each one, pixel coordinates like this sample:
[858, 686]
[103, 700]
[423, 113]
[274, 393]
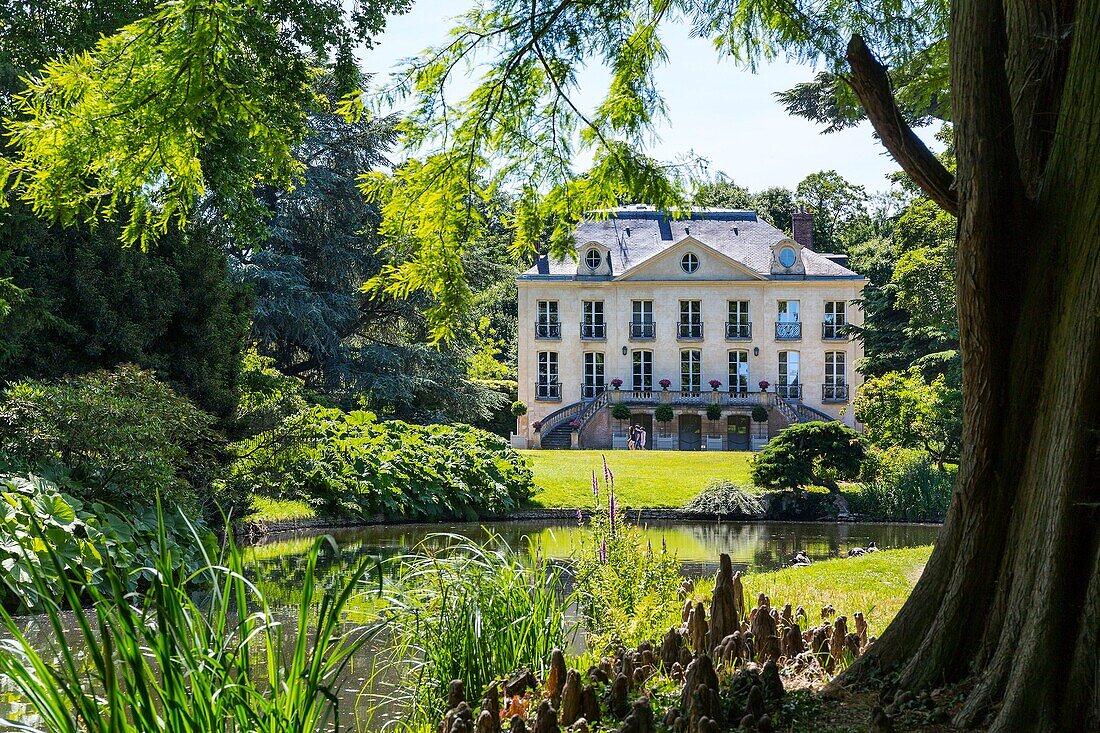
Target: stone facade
[690, 274]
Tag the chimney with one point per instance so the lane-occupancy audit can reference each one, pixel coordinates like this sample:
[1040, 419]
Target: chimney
[802, 228]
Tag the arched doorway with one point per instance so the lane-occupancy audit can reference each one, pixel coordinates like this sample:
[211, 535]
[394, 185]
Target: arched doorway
[691, 431]
[737, 432]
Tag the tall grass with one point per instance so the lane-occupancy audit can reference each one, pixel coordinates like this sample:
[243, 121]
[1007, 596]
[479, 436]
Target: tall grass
[163, 661]
[472, 612]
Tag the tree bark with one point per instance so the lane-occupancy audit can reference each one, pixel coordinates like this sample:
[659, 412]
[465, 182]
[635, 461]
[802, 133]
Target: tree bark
[1011, 595]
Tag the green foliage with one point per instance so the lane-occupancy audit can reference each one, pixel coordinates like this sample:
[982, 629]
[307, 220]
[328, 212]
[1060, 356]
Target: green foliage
[714, 411]
[904, 410]
[759, 413]
[470, 612]
[809, 453]
[353, 464]
[519, 408]
[663, 414]
[620, 411]
[93, 304]
[165, 662]
[85, 537]
[726, 499]
[193, 99]
[123, 436]
[903, 485]
[627, 591]
[837, 205]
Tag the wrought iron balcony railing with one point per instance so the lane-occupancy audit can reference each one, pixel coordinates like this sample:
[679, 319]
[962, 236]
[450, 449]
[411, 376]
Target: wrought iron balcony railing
[788, 330]
[834, 393]
[789, 391]
[738, 331]
[593, 330]
[689, 330]
[642, 330]
[547, 390]
[547, 330]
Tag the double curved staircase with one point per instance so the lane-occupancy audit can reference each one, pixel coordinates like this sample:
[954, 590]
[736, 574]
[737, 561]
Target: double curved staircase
[556, 428]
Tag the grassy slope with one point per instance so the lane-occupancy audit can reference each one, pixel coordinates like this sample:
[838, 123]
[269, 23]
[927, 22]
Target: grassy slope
[642, 478]
[876, 584]
[279, 510]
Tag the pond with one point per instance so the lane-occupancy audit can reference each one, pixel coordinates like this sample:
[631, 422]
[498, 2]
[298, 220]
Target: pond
[279, 560]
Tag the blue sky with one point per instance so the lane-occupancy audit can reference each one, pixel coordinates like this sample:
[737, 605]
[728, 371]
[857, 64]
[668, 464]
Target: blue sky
[715, 109]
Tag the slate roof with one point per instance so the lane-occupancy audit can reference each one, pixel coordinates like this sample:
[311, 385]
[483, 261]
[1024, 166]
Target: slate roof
[636, 234]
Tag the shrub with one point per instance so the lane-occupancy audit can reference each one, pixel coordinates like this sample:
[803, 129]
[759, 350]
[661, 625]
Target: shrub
[471, 612]
[663, 413]
[811, 453]
[726, 499]
[123, 436]
[172, 662]
[84, 537]
[519, 408]
[905, 485]
[714, 411]
[351, 463]
[619, 411]
[627, 591]
[759, 413]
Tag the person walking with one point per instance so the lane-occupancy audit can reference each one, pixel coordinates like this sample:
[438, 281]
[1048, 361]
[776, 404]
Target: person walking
[632, 434]
[640, 445]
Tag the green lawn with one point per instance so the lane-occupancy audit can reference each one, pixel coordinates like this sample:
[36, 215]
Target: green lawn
[280, 510]
[642, 478]
[876, 584]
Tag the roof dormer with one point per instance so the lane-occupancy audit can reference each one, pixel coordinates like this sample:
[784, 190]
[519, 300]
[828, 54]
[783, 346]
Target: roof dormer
[593, 260]
[787, 258]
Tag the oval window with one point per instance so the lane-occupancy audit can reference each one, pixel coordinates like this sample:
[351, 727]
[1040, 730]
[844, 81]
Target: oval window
[689, 263]
[787, 257]
[593, 259]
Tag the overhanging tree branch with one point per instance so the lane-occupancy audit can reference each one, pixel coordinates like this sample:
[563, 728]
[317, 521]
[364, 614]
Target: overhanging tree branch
[871, 84]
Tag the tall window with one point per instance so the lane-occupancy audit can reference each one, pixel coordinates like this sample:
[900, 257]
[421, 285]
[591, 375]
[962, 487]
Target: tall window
[739, 372]
[787, 324]
[593, 373]
[835, 387]
[641, 319]
[547, 387]
[547, 325]
[643, 370]
[835, 320]
[690, 370]
[789, 382]
[691, 320]
[738, 326]
[592, 323]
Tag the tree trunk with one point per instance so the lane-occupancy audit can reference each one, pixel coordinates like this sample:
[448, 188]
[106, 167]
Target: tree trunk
[1011, 595]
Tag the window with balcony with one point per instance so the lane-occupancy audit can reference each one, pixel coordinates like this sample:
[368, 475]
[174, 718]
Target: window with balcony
[835, 325]
[547, 384]
[788, 326]
[691, 320]
[691, 363]
[739, 372]
[642, 362]
[835, 386]
[641, 319]
[592, 322]
[547, 325]
[789, 385]
[593, 374]
[739, 326]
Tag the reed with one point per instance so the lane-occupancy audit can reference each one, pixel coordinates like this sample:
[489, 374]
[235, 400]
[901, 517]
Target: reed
[469, 611]
[162, 660]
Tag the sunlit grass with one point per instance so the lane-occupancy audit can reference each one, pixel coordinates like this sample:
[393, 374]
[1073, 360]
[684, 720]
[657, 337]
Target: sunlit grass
[280, 510]
[876, 584]
[642, 478]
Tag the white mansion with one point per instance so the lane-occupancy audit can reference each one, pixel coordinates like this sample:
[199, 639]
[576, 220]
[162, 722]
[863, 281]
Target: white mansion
[717, 309]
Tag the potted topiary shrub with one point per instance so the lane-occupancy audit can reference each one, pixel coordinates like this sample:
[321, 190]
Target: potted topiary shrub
[663, 415]
[519, 409]
[714, 412]
[620, 412]
[759, 414]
